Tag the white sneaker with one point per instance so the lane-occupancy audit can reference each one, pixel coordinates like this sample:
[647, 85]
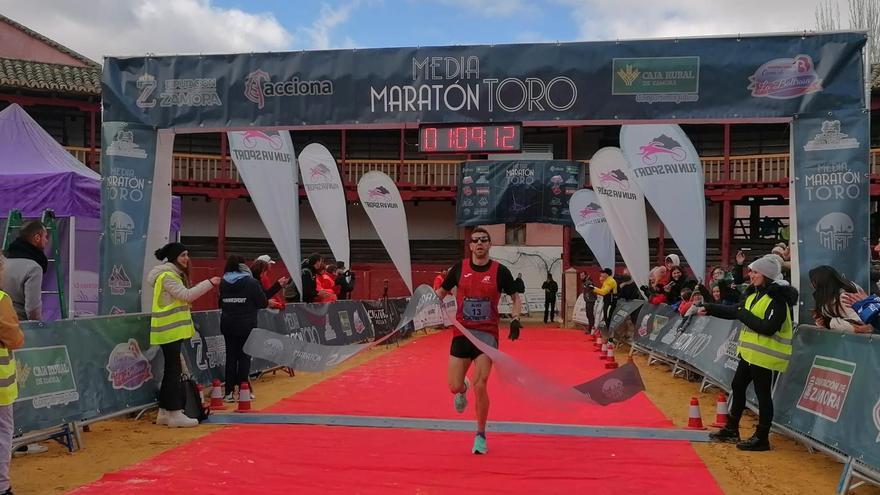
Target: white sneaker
[162, 417]
[30, 449]
[176, 419]
[229, 399]
[460, 400]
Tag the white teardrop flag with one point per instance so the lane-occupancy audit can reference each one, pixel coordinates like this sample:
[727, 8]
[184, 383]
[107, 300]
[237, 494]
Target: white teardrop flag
[383, 204]
[267, 165]
[624, 207]
[667, 168]
[589, 221]
[323, 186]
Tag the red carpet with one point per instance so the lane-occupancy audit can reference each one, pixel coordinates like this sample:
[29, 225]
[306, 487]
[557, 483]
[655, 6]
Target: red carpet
[411, 381]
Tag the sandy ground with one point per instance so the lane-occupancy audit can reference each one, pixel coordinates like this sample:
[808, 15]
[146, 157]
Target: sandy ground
[788, 469]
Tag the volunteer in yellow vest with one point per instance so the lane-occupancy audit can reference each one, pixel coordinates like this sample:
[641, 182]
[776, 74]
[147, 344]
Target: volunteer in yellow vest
[11, 338]
[764, 347]
[171, 324]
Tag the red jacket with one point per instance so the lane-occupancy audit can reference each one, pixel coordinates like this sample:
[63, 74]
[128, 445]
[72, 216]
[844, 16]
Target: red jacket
[276, 301]
[325, 282]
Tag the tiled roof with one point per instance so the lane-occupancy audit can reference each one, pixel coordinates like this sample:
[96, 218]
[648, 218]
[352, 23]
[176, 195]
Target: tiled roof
[41, 76]
[54, 44]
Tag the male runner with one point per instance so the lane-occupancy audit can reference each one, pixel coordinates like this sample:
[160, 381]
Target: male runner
[480, 282]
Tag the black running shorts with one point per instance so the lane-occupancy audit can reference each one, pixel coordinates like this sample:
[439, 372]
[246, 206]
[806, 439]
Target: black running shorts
[463, 348]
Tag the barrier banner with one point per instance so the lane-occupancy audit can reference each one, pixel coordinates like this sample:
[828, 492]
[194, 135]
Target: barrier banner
[71, 370]
[831, 392]
[384, 316]
[83, 368]
[516, 191]
[623, 311]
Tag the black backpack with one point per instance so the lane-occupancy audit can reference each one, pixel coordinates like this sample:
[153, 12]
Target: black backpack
[194, 407]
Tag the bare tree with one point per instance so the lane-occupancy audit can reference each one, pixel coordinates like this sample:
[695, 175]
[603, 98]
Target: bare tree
[864, 15]
[827, 16]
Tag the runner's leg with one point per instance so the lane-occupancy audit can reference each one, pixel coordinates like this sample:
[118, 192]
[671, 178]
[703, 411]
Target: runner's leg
[456, 373]
[483, 366]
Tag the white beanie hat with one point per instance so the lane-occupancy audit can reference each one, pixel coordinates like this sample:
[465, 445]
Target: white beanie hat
[768, 266]
[676, 261]
[266, 258]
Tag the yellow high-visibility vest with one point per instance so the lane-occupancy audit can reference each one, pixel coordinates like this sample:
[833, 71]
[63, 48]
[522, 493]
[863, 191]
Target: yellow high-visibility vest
[771, 352]
[8, 385]
[172, 322]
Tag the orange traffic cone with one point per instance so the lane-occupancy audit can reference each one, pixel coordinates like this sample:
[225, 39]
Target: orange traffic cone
[695, 421]
[721, 412]
[244, 398]
[217, 396]
[603, 355]
[612, 363]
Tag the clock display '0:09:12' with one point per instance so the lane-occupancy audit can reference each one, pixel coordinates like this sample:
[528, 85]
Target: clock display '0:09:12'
[470, 138]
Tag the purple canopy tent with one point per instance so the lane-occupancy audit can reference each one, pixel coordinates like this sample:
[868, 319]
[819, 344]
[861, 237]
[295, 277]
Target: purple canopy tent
[37, 173]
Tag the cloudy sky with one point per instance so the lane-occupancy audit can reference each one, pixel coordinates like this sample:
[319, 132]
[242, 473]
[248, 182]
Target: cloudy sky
[131, 27]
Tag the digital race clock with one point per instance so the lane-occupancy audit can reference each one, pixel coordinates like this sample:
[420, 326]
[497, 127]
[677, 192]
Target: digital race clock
[448, 138]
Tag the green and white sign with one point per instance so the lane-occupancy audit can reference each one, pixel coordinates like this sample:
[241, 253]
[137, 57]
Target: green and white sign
[45, 376]
[657, 79]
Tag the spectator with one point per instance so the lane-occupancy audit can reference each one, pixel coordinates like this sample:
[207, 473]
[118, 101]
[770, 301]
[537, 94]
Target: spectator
[521, 290]
[608, 291]
[23, 284]
[550, 289]
[671, 261]
[171, 324]
[657, 279]
[764, 347]
[311, 268]
[589, 300]
[260, 271]
[626, 286]
[438, 280]
[345, 279]
[723, 293]
[684, 295]
[830, 311]
[241, 298]
[677, 282]
[698, 296]
[11, 338]
[739, 269]
[25, 265]
[327, 283]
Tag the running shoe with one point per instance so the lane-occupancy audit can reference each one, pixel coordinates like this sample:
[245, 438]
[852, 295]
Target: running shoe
[480, 447]
[461, 398]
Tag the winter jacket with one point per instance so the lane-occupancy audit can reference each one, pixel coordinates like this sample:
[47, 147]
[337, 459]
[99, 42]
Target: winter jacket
[309, 283]
[520, 286]
[11, 336]
[626, 288]
[23, 279]
[241, 298]
[845, 322]
[174, 290]
[276, 300]
[673, 294]
[346, 282]
[782, 298]
[325, 282]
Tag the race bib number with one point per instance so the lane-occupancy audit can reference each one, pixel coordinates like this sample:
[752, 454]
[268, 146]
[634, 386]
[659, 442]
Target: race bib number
[474, 309]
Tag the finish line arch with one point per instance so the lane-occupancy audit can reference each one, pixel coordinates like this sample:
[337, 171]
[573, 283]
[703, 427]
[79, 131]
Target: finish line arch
[816, 82]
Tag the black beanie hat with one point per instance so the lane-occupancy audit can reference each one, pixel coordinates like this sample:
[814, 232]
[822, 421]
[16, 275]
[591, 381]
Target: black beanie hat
[170, 251]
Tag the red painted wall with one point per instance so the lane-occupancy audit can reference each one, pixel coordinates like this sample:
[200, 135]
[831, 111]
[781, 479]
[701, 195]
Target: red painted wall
[19, 45]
